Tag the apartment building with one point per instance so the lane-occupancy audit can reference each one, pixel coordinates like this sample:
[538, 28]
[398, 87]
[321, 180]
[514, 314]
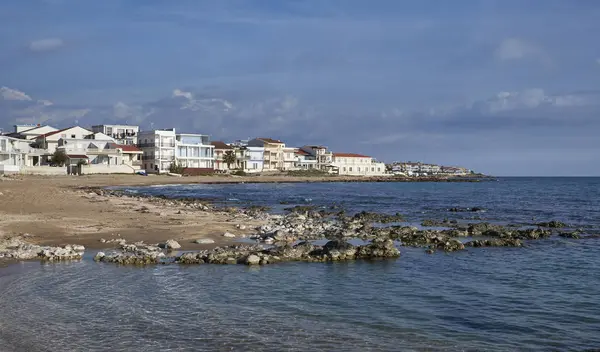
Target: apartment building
[122, 134]
[158, 147]
[323, 157]
[304, 160]
[194, 151]
[357, 165]
[31, 132]
[220, 149]
[273, 155]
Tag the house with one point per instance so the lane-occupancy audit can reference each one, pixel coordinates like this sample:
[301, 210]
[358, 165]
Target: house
[273, 155]
[49, 141]
[220, 149]
[194, 151]
[289, 158]
[321, 154]
[416, 169]
[13, 154]
[357, 165]
[158, 147]
[254, 159]
[31, 132]
[101, 155]
[304, 160]
[123, 134]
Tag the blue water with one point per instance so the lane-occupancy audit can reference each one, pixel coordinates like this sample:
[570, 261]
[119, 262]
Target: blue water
[544, 297]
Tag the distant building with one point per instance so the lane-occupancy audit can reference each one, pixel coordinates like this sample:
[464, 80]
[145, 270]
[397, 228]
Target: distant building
[194, 151]
[221, 148]
[122, 134]
[273, 154]
[304, 160]
[323, 157]
[158, 148]
[357, 165]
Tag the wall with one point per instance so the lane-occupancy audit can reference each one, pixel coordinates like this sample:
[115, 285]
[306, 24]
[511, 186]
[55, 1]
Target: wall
[8, 169]
[106, 169]
[43, 170]
[189, 171]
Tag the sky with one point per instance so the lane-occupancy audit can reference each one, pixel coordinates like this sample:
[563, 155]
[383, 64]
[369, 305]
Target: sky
[502, 87]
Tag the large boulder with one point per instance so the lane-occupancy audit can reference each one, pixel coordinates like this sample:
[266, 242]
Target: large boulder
[253, 259]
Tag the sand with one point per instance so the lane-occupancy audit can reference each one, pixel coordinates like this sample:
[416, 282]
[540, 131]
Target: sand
[54, 211]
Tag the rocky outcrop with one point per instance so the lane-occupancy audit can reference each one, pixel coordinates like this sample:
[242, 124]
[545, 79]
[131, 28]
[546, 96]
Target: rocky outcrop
[137, 254]
[17, 248]
[497, 242]
[553, 224]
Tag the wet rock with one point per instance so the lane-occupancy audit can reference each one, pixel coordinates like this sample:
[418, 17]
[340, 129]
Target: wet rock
[553, 224]
[480, 228]
[253, 259]
[378, 248]
[532, 234]
[496, 242]
[451, 245]
[573, 235]
[205, 241]
[98, 257]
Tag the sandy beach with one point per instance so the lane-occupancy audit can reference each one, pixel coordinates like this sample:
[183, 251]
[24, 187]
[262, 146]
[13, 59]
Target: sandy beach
[56, 211]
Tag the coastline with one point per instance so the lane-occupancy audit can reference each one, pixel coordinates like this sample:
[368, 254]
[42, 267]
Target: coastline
[59, 210]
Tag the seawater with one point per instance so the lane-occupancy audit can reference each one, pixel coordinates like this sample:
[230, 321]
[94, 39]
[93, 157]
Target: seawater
[543, 297]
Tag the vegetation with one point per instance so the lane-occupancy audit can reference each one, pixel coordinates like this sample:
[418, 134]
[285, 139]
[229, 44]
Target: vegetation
[229, 158]
[176, 168]
[239, 173]
[59, 158]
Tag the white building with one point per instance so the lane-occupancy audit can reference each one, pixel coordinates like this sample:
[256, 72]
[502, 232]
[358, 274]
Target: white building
[13, 154]
[158, 148]
[273, 155]
[251, 159]
[123, 134]
[321, 154]
[194, 151]
[304, 160]
[220, 149]
[357, 165]
[31, 132]
[49, 141]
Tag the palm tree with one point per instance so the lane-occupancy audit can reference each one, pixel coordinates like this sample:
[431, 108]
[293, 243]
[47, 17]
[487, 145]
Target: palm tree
[229, 158]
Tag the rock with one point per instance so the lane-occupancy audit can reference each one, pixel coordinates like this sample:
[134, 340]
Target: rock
[228, 234]
[553, 224]
[573, 235]
[99, 256]
[171, 244]
[205, 241]
[241, 227]
[78, 248]
[253, 260]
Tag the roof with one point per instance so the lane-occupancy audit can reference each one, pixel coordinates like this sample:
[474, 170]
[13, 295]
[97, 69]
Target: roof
[77, 156]
[271, 140]
[315, 146]
[126, 147]
[350, 155]
[220, 145]
[55, 132]
[301, 152]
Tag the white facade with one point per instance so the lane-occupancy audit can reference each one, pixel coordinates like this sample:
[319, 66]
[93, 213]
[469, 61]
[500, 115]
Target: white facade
[194, 151]
[304, 161]
[31, 132]
[323, 157]
[273, 155]
[49, 141]
[123, 134]
[357, 165]
[250, 159]
[158, 148]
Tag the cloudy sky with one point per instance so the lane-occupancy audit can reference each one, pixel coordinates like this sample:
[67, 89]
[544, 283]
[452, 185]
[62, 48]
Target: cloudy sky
[503, 87]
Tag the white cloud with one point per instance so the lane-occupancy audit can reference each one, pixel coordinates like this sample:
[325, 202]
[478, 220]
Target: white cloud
[515, 49]
[46, 44]
[180, 93]
[13, 94]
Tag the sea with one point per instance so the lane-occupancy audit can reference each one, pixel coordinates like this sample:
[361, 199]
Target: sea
[542, 297]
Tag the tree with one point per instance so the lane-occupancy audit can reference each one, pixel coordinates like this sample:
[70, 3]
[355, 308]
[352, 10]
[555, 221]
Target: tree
[59, 158]
[229, 158]
[176, 168]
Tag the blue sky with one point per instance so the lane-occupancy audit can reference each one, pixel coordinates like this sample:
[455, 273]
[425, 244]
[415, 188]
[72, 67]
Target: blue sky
[503, 87]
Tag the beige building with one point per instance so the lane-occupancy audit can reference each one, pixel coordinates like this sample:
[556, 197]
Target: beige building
[357, 165]
[220, 149]
[323, 157]
[274, 155]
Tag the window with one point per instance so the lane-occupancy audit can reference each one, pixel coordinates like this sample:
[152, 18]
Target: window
[109, 130]
[254, 166]
[73, 136]
[358, 169]
[378, 169]
[344, 169]
[150, 165]
[350, 169]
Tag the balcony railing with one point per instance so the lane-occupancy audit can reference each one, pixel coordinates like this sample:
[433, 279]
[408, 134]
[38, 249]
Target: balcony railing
[156, 145]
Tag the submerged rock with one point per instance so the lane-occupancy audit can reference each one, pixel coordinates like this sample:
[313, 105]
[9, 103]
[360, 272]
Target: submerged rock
[553, 224]
[496, 242]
